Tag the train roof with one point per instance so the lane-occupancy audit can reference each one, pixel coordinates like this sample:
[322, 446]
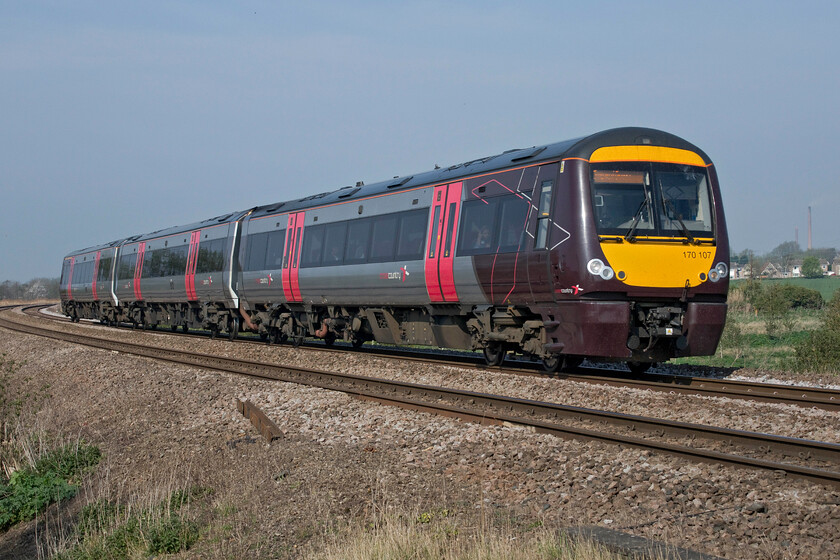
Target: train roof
[581, 147]
[174, 230]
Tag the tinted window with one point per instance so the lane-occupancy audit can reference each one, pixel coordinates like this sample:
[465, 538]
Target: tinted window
[127, 265]
[513, 216]
[412, 236]
[358, 241]
[178, 261]
[274, 251]
[257, 244]
[104, 272]
[211, 256]
[494, 225]
[334, 238]
[478, 232]
[384, 238]
[313, 244]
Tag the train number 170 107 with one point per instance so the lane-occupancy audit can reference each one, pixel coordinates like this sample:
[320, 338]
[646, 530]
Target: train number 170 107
[697, 254]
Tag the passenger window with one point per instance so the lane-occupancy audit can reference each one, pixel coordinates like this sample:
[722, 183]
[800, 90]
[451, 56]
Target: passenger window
[274, 252]
[512, 221]
[178, 260]
[313, 244]
[477, 234]
[412, 235]
[384, 238]
[257, 244]
[358, 241]
[334, 239]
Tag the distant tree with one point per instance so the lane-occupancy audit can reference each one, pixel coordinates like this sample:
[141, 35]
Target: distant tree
[811, 267]
[827, 253]
[785, 254]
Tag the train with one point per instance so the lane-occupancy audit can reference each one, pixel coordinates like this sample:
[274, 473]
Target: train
[611, 247]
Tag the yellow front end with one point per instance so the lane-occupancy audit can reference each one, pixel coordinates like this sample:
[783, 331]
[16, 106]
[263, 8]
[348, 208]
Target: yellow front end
[659, 264]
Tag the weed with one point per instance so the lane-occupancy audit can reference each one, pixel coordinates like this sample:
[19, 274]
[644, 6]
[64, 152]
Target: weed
[107, 530]
[29, 491]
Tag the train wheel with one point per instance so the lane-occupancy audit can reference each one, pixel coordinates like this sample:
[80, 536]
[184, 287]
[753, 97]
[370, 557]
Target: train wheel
[185, 328]
[264, 337]
[494, 353]
[357, 342]
[173, 328]
[233, 328]
[329, 338]
[638, 368]
[552, 364]
[214, 331]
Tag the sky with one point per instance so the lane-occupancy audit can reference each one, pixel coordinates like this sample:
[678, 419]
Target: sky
[118, 118]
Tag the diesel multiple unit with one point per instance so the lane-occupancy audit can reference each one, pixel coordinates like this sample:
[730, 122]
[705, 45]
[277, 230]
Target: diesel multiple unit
[611, 246]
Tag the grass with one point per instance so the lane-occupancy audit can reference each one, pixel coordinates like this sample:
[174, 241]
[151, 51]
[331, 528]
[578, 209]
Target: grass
[435, 536]
[826, 286]
[116, 531]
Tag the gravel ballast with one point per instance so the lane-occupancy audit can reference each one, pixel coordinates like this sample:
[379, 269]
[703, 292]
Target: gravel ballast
[341, 458]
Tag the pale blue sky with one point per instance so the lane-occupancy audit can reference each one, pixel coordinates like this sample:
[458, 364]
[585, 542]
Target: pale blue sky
[118, 118]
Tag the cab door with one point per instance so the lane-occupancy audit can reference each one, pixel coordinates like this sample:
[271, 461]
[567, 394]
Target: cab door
[439, 259]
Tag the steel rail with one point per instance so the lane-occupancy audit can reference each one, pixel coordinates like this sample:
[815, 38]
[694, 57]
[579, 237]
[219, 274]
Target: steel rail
[806, 397]
[486, 408]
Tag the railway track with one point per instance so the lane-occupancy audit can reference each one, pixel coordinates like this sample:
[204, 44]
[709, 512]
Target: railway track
[814, 461]
[808, 397]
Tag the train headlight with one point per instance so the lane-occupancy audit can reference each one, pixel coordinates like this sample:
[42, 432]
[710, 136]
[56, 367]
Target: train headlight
[719, 271]
[596, 267]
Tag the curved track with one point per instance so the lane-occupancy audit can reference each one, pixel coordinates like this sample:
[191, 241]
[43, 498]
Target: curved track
[826, 399]
[815, 461]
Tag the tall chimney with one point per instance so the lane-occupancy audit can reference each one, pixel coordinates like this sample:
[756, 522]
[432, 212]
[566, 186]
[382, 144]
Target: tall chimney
[809, 228]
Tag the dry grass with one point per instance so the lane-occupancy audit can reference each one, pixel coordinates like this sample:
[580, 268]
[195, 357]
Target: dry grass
[429, 537]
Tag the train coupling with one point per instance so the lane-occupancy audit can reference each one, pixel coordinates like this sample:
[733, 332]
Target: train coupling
[650, 324]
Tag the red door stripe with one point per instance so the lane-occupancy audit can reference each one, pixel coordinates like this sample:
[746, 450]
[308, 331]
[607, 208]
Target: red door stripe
[295, 266]
[287, 257]
[70, 279]
[96, 273]
[433, 255]
[138, 270]
[192, 261]
[443, 233]
[447, 253]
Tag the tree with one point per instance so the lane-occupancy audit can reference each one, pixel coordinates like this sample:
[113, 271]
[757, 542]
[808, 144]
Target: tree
[811, 267]
[785, 254]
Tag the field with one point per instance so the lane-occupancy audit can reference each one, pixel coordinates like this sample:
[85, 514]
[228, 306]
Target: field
[765, 334]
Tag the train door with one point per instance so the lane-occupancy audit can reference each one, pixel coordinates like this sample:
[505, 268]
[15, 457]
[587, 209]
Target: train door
[138, 270]
[291, 257]
[70, 279]
[95, 274]
[440, 277]
[547, 235]
[192, 261]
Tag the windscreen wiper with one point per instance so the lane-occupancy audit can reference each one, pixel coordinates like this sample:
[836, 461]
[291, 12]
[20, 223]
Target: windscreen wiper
[666, 203]
[629, 235]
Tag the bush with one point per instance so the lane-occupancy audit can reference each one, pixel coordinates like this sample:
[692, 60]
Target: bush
[820, 352]
[799, 297]
[30, 491]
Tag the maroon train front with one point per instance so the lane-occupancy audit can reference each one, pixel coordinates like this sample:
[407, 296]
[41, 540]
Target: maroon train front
[612, 246]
